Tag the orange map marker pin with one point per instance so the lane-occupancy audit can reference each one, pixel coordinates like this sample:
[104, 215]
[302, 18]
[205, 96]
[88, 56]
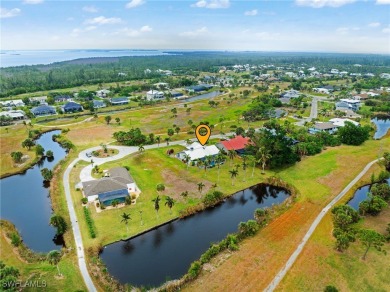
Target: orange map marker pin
[203, 133]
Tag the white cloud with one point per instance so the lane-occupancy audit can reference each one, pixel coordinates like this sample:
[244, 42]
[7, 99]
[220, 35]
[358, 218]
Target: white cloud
[251, 12]
[103, 20]
[33, 2]
[135, 3]
[382, 2]
[130, 32]
[91, 27]
[195, 33]
[8, 13]
[323, 3]
[90, 9]
[212, 4]
[346, 30]
[374, 24]
[386, 30]
[146, 28]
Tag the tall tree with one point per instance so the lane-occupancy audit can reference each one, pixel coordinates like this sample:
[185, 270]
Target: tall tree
[158, 139]
[125, 219]
[59, 222]
[200, 187]
[370, 238]
[17, 156]
[263, 156]
[54, 258]
[108, 119]
[231, 154]
[187, 159]
[156, 202]
[28, 143]
[169, 202]
[233, 175]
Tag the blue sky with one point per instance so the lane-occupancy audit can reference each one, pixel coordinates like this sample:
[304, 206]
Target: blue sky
[295, 25]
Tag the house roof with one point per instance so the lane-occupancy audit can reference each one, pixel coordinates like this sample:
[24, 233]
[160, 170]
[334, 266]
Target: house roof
[341, 122]
[325, 126]
[43, 108]
[13, 114]
[202, 152]
[118, 180]
[236, 143]
[119, 99]
[71, 105]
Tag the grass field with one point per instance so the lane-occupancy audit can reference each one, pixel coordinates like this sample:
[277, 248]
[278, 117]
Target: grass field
[176, 177]
[320, 264]
[43, 271]
[11, 140]
[318, 179]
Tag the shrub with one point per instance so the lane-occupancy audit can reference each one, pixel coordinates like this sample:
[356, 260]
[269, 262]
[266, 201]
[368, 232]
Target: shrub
[248, 228]
[261, 216]
[128, 200]
[381, 190]
[84, 200]
[212, 198]
[91, 226]
[210, 253]
[344, 238]
[373, 206]
[194, 270]
[127, 167]
[97, 204]
[15, 239]
[330, 288]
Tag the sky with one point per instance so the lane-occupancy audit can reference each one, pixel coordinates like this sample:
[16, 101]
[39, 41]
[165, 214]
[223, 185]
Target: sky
[347, 26]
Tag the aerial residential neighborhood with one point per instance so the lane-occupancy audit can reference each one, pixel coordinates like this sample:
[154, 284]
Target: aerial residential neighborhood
[213, 145]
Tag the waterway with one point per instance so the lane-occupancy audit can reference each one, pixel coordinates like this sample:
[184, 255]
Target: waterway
[166, 252]
[25, 200]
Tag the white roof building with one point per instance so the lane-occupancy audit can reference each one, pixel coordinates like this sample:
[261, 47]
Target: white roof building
[196, 151]
[17, 114]
[341, 122]
[154, 94]
[11, 103]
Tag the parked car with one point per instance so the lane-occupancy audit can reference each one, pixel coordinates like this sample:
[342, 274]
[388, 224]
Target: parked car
[89, 154]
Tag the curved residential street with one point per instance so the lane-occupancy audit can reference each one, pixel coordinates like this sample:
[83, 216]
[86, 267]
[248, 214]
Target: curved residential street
[279, 277]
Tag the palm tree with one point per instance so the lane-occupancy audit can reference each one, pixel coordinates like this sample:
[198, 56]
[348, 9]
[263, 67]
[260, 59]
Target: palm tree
[264, 156]
[200, 187]
[54, 258]
[233, 174]
[169, 202]
[187, 159]
[167, 140]
[219, 159]
[206, 163]
[141, 148]
[244, 166]
[156, 204]
[184, 194]
[125, 219]
[158, 139]
[231, 154]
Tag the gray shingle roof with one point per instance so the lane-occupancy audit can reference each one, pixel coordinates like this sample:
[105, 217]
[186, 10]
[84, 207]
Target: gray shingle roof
[118, 180]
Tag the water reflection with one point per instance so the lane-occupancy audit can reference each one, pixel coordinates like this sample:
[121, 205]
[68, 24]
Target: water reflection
[167, 251]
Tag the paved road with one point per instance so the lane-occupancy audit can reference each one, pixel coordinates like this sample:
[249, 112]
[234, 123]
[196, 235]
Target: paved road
[76, 229]
[279, 277]
[66, 125]
[313, 111]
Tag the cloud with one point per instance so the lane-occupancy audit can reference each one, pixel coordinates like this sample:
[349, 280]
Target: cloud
[146, 28]
[130, 32]
[8, 13]
[251, 12]
[345, 30]
[100, 20]
[32, 2]
[212, 4]
[382, 2]
[91, 27]
[374, 24]
[90, 9]
[323, 3]
[195, 33]
[135, 3]
[386, 30]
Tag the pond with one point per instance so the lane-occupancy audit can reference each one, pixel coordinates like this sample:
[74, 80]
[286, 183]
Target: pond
[360, 195]
[26, 203]
[382, 126]
[166, 253]
[203, 96]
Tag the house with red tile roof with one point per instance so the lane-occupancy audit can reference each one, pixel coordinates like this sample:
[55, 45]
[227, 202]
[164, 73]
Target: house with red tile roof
[237, 143]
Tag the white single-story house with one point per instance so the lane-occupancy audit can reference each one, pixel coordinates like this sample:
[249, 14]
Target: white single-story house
[39, 99]
[198, 152]
[102, 93]
[154, 94]
[323, 127]
[341, 122]
[351, 104]
[321, 90]
[15, 115]
[12, 103]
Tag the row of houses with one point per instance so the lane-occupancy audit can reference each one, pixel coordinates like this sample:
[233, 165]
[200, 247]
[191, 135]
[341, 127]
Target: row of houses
[45, 110]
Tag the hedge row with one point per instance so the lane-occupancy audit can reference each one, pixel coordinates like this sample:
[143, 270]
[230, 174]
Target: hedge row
[91, 226]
